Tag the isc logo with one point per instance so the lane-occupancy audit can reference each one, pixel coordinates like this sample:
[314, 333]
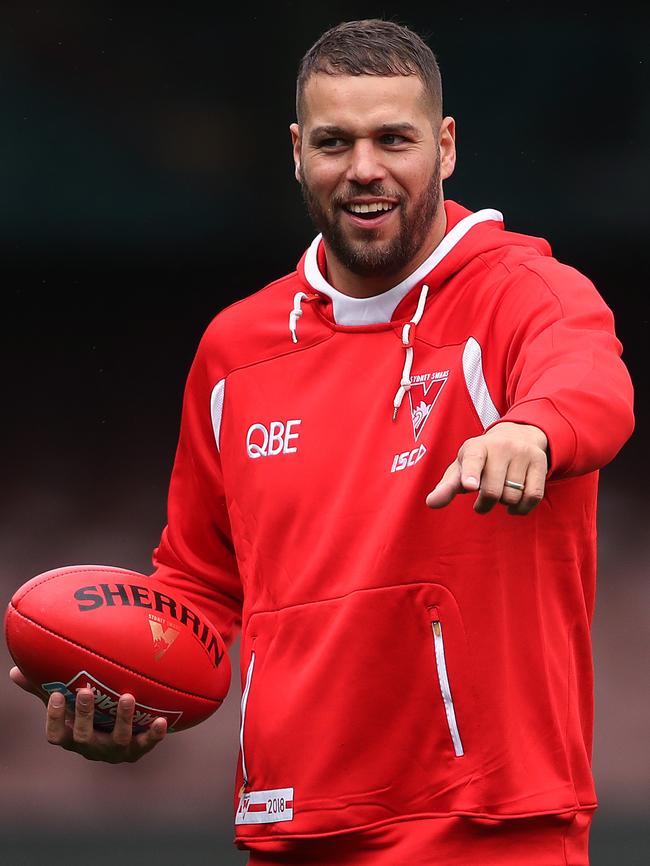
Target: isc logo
[261, 442]
[407, 458]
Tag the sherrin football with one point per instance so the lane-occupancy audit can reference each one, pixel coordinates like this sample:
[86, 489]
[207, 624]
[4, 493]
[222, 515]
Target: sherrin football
[115, 631]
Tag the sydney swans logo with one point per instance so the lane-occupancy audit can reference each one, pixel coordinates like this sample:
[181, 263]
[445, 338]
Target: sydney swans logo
[423, 393]
[162, 637]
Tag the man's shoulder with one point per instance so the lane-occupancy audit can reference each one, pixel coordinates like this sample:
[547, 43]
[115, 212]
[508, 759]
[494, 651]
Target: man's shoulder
[515, 262]
[521, 282]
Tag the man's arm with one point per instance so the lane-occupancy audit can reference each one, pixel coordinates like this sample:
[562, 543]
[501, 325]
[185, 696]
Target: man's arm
[569, 395]
[196, 554]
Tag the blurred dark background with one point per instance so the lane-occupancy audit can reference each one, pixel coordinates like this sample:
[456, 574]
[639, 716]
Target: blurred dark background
[146, 182]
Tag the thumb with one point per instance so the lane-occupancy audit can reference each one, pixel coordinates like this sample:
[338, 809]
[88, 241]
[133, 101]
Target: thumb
[19, 678]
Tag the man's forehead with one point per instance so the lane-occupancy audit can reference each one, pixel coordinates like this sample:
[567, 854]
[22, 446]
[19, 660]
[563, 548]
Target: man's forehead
[340, 100]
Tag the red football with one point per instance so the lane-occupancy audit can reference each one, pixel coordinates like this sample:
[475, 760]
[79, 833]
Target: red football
[116, 631]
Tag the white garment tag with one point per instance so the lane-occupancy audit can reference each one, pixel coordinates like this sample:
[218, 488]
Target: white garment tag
[265, 807]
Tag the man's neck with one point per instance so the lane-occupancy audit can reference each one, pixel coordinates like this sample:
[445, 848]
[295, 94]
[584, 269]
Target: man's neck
[357, 286]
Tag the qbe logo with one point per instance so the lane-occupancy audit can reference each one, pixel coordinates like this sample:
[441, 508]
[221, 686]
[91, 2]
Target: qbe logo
[276, 439]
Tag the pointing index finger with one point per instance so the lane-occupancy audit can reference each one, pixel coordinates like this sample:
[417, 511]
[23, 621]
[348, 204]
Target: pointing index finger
[472, 462]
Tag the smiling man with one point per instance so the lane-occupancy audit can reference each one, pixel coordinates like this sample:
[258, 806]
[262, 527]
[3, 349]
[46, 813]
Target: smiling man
[416, 664]
[372, 179]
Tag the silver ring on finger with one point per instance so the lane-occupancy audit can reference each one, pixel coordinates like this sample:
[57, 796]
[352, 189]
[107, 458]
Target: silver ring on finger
[515, 485]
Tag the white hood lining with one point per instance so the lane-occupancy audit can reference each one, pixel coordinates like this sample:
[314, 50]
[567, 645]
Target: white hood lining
[380, 308]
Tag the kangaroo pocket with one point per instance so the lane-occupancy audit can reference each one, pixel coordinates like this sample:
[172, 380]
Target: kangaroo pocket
[357, 710]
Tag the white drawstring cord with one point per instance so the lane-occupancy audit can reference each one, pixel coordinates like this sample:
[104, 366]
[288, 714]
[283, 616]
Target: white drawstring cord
[296, 313]
[408, 340]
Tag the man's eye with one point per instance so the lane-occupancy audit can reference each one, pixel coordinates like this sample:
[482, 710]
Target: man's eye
[390, 139]
[331, 143]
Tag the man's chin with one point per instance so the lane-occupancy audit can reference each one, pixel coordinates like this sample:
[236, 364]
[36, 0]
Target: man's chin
[370, 260]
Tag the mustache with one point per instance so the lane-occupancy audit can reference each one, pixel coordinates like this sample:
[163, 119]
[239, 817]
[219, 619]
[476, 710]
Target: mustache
[354, 190]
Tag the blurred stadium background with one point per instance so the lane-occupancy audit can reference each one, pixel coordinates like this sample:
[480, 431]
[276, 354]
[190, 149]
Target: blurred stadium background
[146, 182]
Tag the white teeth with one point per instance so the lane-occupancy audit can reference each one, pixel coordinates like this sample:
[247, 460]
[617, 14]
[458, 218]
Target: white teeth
[370, 208]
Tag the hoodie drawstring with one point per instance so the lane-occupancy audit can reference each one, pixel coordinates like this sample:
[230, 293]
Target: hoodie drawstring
[296, 313]
[408, 341]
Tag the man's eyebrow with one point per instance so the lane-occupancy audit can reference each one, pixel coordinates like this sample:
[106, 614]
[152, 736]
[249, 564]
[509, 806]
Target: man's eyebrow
[399, 127]
[328, 131]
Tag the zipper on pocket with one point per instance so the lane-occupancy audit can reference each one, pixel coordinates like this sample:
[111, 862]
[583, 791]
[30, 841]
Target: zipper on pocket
[244, 702]
[445, 688]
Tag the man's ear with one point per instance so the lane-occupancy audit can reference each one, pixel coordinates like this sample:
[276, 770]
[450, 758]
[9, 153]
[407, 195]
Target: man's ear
[295, 143]
[447, 144]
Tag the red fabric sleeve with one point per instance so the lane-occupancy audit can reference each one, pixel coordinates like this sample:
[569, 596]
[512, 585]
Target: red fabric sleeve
[564, 369]
[196, 554]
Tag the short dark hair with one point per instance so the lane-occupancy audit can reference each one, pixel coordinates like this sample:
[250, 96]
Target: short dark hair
[371, 47]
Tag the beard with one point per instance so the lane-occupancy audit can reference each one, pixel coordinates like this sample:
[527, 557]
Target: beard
[370, 256]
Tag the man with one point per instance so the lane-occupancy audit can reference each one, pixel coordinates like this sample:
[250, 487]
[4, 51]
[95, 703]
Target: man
[417, 682]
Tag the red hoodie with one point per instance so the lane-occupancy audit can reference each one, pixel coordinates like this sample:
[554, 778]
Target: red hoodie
[400, 663]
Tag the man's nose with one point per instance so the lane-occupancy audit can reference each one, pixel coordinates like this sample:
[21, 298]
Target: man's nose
[365, 163]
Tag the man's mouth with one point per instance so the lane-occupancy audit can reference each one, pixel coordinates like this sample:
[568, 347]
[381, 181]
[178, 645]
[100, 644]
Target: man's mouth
[369, 211]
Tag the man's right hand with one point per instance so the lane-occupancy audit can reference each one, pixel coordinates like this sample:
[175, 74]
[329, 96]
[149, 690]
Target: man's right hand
[77, 734]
